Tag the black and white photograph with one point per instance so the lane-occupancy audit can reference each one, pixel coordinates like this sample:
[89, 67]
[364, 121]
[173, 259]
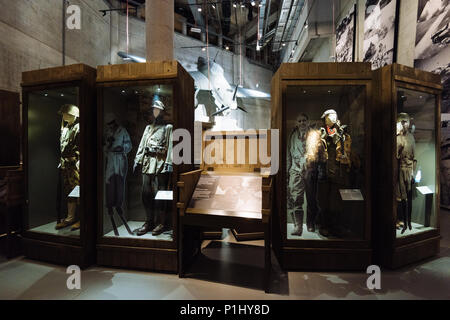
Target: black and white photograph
[432, 43]
[345, 38]
[379, 32]
[445, 161]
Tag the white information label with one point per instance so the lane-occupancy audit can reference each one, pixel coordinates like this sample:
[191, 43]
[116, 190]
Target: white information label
[164, 195]
[351, 195]
[75, 192]
[425, 190]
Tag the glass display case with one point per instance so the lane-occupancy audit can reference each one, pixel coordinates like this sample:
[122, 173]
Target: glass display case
[407, 114]
[323, 185]
[139, 111]
[59, 164]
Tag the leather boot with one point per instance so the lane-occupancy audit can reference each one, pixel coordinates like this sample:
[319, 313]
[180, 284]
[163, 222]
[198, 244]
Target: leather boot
[404, 214]
[70, 220]
[146, 227]
[158, 230]
[76, 226]
[298, 224]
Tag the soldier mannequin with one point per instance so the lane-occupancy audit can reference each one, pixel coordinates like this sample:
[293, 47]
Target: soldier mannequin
[406, 167]
[302, 174]
[154, 156]
[69, 165]
[333, 170]
[118, 145]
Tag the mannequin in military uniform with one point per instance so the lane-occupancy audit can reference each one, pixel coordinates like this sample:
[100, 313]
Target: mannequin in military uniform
[69, 165]
[334, 171]
[406, 145]
[302, 175]
[154, 156]
[117, 146]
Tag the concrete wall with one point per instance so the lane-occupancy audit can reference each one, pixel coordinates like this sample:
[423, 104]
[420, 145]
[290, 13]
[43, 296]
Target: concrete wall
[32, 39]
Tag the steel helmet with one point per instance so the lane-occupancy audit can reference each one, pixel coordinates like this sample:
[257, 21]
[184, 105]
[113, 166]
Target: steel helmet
[110, 117]
[403, 117]
[70, 109]
[158, 104]
[328, 112]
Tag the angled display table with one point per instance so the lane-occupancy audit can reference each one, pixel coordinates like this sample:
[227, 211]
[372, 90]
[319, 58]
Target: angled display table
[224, 195]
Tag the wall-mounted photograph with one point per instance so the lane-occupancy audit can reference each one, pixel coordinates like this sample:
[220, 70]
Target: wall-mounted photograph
[379, 32]
[345, 38]
[432, 43]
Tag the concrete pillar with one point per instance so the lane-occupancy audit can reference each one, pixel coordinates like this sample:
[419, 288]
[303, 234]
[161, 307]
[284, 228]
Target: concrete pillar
[407, 32]
[361, 11]
[159, 19]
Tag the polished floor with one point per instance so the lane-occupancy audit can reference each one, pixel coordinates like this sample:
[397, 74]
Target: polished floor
[229, 271]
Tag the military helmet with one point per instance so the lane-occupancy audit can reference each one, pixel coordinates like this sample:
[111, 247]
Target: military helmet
[328, 112]
[403, 117]
[110, 117]
[70, 109]
[157, 103]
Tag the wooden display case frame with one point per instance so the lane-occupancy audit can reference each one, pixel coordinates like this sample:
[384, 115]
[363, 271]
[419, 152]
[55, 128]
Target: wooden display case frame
[144, 254]
[56, 248]
[391, 251]
[336, 255]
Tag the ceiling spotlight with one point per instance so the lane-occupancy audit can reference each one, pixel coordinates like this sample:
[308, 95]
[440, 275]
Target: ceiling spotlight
[234, 5]
[203, 49]
[227, 48]
[159, 88]
[284, 44]
[257, 85]
[253, 3]
[123, 91]
[306, 26]
[199, 9]
[62, 94]
[242, 5]
[293, 50]
[214, 7]
[46, 94]
[329, 91]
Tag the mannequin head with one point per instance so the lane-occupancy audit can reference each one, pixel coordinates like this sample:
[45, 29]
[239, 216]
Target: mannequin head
[403, 123]
[158, 107]
[330, 116]
[302, 122]
[70, 113]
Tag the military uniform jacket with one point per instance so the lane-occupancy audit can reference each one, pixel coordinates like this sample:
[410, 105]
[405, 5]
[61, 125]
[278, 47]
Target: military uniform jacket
[69, 144]
[117, 162]
[296, 158]
[155, 149]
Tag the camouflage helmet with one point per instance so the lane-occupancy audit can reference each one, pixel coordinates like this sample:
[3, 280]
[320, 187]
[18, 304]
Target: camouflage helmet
[70, 109]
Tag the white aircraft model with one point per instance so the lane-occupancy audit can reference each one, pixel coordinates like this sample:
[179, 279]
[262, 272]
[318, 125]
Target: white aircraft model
[214, 82]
